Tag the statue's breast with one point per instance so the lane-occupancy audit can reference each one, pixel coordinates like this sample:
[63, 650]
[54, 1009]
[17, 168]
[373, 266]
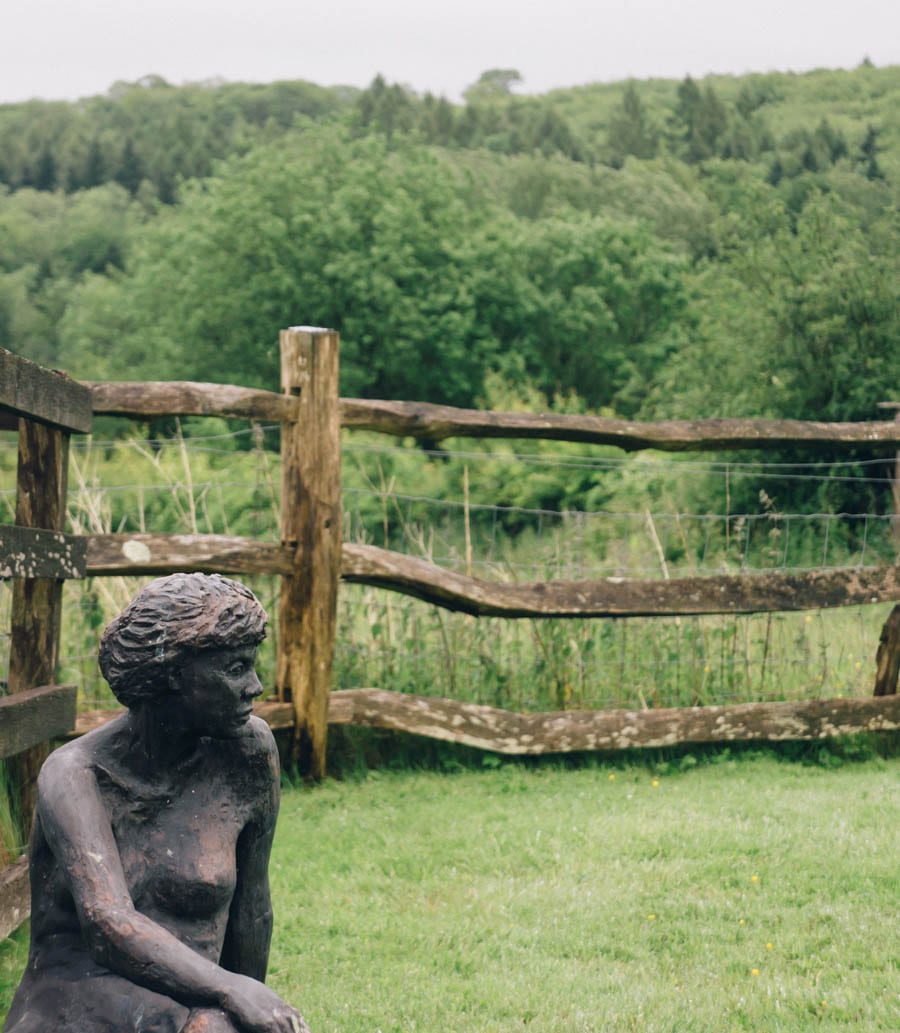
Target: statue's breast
[179, 856]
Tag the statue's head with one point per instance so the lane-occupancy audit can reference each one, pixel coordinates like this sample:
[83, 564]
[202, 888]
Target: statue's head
[171, 621]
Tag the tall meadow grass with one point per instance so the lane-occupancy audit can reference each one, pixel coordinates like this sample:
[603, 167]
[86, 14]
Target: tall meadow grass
[505, 515]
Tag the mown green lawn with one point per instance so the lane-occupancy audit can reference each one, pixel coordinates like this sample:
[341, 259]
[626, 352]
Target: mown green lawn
[753, 894]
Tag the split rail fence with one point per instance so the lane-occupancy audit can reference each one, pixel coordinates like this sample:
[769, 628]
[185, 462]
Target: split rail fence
[45, 408]
[311, 560]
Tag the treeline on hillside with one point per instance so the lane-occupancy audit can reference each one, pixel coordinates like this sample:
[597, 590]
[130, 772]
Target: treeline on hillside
[152, 135]
[655, 249]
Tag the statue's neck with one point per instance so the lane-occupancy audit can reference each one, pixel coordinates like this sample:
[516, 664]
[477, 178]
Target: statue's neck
[159, 746]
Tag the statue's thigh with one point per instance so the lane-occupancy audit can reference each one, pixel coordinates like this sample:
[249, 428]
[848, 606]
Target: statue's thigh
[209, 1020]
[63, 999]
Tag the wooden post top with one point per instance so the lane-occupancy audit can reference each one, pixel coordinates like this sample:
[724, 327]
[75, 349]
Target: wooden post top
[48, 396]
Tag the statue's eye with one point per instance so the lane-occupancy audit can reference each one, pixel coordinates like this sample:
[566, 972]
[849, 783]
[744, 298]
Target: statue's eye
[238, 667]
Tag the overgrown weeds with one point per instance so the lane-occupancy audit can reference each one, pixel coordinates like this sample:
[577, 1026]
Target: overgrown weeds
[479, 512]
[10, 827]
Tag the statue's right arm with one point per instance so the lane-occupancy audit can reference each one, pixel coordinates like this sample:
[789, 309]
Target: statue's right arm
[76, 825]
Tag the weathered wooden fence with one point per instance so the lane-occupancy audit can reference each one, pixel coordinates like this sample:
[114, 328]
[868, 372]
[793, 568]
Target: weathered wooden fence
[45, 408]
[311, 559]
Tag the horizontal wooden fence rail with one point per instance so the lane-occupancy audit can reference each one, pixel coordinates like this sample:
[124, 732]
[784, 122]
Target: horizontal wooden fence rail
[28, 552]
[112, 554]
[279, 716]
[567, 731]
[34, 716]
[436, 422]
[144, 400]
[620, 597]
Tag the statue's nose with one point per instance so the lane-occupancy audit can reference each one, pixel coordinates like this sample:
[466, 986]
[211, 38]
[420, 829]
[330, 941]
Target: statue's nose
[254, 687]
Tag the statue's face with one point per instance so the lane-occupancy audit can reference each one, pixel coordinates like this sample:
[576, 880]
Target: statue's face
[215, 691]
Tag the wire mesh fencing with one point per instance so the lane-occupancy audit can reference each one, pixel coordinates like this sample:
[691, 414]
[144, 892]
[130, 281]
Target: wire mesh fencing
[641, 530]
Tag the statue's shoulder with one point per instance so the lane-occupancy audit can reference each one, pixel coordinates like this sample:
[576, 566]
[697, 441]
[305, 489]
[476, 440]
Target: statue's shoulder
[68, 769]
[67, 759]
[258, 738]
[252, 763]
[81, 754]
[257, 749]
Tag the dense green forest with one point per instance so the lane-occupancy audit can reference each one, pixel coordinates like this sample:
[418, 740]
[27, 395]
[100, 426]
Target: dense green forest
[655, 249]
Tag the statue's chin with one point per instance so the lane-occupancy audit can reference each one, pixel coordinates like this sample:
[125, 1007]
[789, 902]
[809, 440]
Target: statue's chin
[232, 730]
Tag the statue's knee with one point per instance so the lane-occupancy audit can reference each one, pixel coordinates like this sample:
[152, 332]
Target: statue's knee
[208, 1020]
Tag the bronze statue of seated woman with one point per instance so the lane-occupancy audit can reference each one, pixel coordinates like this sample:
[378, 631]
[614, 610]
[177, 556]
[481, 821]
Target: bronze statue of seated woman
[150, 849]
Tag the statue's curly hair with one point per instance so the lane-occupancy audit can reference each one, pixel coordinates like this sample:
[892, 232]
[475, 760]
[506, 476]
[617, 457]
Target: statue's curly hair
[169, 620]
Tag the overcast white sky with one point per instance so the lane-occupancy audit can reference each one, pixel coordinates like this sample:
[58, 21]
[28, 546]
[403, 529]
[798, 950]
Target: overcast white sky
[74, 48]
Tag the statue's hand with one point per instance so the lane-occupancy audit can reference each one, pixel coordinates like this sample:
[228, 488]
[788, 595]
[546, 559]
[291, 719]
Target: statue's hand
[257, 1009]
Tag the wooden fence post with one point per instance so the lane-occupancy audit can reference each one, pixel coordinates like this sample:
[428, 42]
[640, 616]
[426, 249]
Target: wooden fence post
[36, 602]
[887, 658]
[311, 526]
[895, 486]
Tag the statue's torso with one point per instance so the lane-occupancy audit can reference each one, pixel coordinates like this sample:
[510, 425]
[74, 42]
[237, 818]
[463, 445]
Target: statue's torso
[177, 847]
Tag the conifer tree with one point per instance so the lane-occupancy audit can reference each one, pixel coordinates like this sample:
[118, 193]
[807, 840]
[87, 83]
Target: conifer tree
[869, 151]
[130, 172]
[629, 131]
